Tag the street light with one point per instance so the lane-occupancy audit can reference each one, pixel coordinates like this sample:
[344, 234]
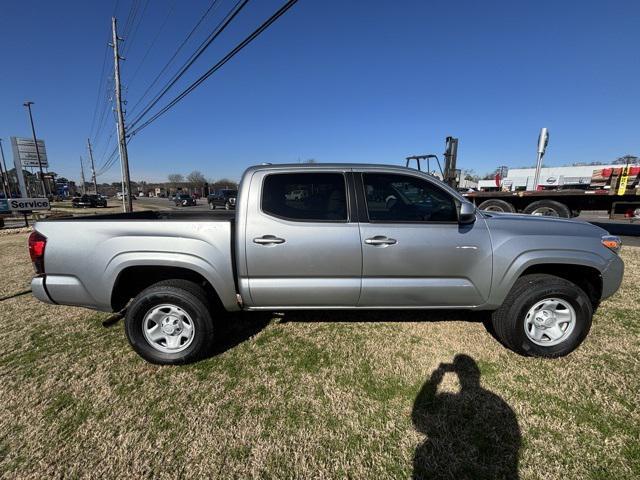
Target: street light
[35, 142]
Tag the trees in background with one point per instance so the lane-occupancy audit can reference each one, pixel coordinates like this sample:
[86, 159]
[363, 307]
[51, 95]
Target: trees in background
[175, 178]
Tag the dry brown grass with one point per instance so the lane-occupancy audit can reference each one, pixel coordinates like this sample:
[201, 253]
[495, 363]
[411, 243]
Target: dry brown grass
[314, 395]
[15, 264]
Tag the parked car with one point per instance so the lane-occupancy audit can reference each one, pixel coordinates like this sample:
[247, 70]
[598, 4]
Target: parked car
[119, 196]
[345, 246]
[89, 201]
[223, 198]
[184, 200]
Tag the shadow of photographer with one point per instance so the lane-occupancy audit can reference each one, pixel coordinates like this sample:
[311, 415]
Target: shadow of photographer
[470, 434]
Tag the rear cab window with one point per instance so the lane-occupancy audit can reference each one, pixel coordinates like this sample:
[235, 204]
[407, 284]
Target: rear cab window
[305, 197]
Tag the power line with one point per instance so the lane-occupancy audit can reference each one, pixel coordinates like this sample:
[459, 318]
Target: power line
[217, 66]
[103, 113]
[130, 36]
[214, 34]
[111, 161]
[133, 8]
[175, 54]
[153, 42]
[100, 84]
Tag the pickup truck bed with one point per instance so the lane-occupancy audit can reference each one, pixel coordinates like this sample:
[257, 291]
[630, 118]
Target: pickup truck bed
[150, 215]
[100, 251]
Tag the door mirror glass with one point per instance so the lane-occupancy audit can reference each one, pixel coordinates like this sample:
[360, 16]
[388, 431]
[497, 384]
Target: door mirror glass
[467, 213]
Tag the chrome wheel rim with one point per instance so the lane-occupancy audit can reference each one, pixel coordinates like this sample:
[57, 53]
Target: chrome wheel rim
[550, 322]
[494, 209]
[168, 328]
[545, 212]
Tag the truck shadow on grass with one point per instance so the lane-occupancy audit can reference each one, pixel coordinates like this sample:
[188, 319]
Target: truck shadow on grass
[373, 316]
[399, 316]
[232, 329]
[470, 434]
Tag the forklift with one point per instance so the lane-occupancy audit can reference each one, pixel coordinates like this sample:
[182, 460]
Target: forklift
[450, 174]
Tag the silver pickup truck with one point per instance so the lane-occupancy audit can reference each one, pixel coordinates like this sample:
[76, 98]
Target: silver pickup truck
[358, 237]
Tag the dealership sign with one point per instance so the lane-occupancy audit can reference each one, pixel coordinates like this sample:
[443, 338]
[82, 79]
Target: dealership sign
[20, 204]
[25, 150]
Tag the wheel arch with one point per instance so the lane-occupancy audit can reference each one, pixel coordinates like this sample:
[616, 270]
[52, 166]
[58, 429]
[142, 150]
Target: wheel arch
[133, 279]
[582, 268]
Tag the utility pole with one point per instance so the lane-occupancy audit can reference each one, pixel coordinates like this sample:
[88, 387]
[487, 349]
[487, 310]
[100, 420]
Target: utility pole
[122, 143]
[35, 142]
[93, 167]
[5, 168]
[6, 188]
[84, 190]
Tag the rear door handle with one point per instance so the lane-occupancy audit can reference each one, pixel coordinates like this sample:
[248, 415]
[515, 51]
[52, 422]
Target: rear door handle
[380, 240]
[268, 240]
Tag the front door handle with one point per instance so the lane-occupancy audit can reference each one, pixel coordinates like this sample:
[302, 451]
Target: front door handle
[380, 240]
[268, 240]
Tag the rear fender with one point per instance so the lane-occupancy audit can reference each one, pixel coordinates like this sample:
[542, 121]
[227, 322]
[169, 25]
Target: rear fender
[221, 283]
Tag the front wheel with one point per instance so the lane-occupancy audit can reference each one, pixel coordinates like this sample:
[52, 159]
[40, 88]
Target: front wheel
[227, 206]
[211, 206]
[170, 323]
[543, 316]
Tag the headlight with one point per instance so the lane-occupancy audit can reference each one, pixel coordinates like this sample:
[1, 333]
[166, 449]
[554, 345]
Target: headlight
[612, 242]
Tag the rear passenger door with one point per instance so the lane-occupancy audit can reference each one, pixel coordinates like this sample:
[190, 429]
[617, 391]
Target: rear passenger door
[302, 247]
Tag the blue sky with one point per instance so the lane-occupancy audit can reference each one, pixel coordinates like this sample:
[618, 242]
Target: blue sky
[343, 81]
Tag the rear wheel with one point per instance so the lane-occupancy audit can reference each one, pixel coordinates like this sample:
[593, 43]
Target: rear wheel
[170, 323]
[227, 206]
[497, 205]
[548, 208]
[543, 316]
[211, 206]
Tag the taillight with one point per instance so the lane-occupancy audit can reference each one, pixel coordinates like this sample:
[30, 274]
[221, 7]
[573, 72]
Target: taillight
[37, 243]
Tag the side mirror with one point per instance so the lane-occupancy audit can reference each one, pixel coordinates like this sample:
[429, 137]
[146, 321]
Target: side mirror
[467, 213]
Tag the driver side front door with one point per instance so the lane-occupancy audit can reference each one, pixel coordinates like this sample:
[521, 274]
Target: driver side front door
[414, 251]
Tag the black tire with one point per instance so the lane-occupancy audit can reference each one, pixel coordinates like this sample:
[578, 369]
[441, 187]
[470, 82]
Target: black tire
[211, 206]
[184, 294]
[509, 320]
[227, 206]
[496, 205]
[555, 209]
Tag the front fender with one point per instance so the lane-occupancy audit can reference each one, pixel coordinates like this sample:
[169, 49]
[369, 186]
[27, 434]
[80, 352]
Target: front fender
[507, 272]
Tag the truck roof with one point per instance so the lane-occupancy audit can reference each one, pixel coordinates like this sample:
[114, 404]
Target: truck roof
[347, 166]
[329, 166]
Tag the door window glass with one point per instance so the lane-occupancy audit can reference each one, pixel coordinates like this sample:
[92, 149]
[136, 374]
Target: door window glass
[403, 198]
[305, 196]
